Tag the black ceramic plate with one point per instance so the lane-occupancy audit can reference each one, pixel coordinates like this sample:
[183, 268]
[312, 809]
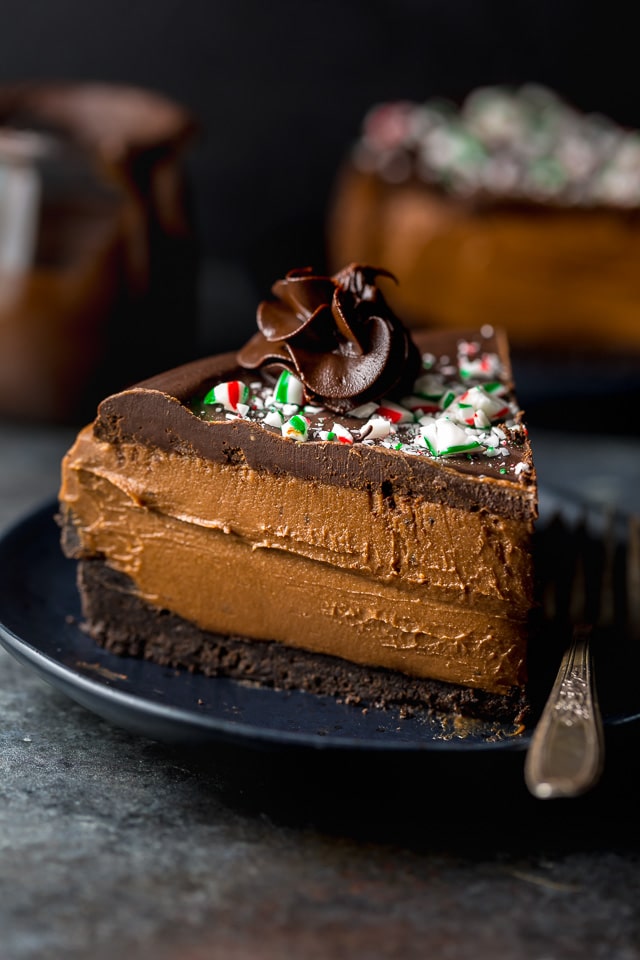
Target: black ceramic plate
[39, 615]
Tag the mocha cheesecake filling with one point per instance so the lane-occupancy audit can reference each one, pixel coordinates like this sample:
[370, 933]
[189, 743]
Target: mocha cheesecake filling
[473, 558]
[415, 586]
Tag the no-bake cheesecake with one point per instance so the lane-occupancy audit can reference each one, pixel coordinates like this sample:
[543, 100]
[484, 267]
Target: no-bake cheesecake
[333, 508]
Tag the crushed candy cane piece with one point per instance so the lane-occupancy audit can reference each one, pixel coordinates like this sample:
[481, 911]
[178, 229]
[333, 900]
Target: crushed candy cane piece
[290, 409]
[485, 366]
[496, 387]
[341, 434]
[447, 398]
[296, 428]
[288, 389]
[394, 412]
[428, 360]
[476, 407]
[474, 363]
[375, 429]
[444, 438]
[363, 411]
[229, 394]
[273, 419]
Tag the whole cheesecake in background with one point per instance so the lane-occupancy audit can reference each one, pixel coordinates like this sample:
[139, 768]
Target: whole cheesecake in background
[332, 509]
[514, 209]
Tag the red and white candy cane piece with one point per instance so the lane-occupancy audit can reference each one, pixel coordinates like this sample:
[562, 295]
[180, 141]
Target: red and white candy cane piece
[394, 412]
[229, 393]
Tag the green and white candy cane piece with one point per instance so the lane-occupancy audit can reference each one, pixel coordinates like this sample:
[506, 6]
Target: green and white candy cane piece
[296, 428]
[444, 438]
[288, 389]
[495, 387]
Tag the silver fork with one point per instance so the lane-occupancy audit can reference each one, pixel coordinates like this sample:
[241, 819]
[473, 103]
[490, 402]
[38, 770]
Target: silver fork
[566, 754]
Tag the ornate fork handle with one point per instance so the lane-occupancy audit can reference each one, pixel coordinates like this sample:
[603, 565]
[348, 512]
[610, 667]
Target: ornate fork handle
[566, 754]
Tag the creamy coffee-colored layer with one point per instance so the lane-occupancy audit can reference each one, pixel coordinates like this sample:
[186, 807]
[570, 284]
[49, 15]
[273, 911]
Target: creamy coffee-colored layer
[473, 558]
[210, 544]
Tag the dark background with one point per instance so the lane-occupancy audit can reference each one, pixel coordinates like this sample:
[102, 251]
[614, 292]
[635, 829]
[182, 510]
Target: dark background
[280, 89]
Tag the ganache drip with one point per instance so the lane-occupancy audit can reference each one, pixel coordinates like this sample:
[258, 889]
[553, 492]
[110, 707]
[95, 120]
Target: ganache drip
[336, 334]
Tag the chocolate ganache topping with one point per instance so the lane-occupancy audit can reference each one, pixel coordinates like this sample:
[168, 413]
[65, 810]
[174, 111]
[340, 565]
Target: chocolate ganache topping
[336, 334]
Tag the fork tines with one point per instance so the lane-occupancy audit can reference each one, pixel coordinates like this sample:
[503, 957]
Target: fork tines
[591, 591]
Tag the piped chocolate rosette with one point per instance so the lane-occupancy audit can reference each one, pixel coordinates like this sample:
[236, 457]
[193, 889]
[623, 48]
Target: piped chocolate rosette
[331, 362]
[336, 335]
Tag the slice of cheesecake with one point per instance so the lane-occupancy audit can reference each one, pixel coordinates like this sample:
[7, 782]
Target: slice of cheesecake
[357, 524]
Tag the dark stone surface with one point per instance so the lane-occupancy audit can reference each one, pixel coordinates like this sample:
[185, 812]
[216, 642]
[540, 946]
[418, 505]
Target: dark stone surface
[113, 844]
[110, 842]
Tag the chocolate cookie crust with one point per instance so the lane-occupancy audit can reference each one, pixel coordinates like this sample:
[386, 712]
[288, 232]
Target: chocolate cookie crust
[127, 626]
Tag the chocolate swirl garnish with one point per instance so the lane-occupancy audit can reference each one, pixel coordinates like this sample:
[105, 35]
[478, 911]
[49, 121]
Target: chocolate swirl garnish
[337, 335]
